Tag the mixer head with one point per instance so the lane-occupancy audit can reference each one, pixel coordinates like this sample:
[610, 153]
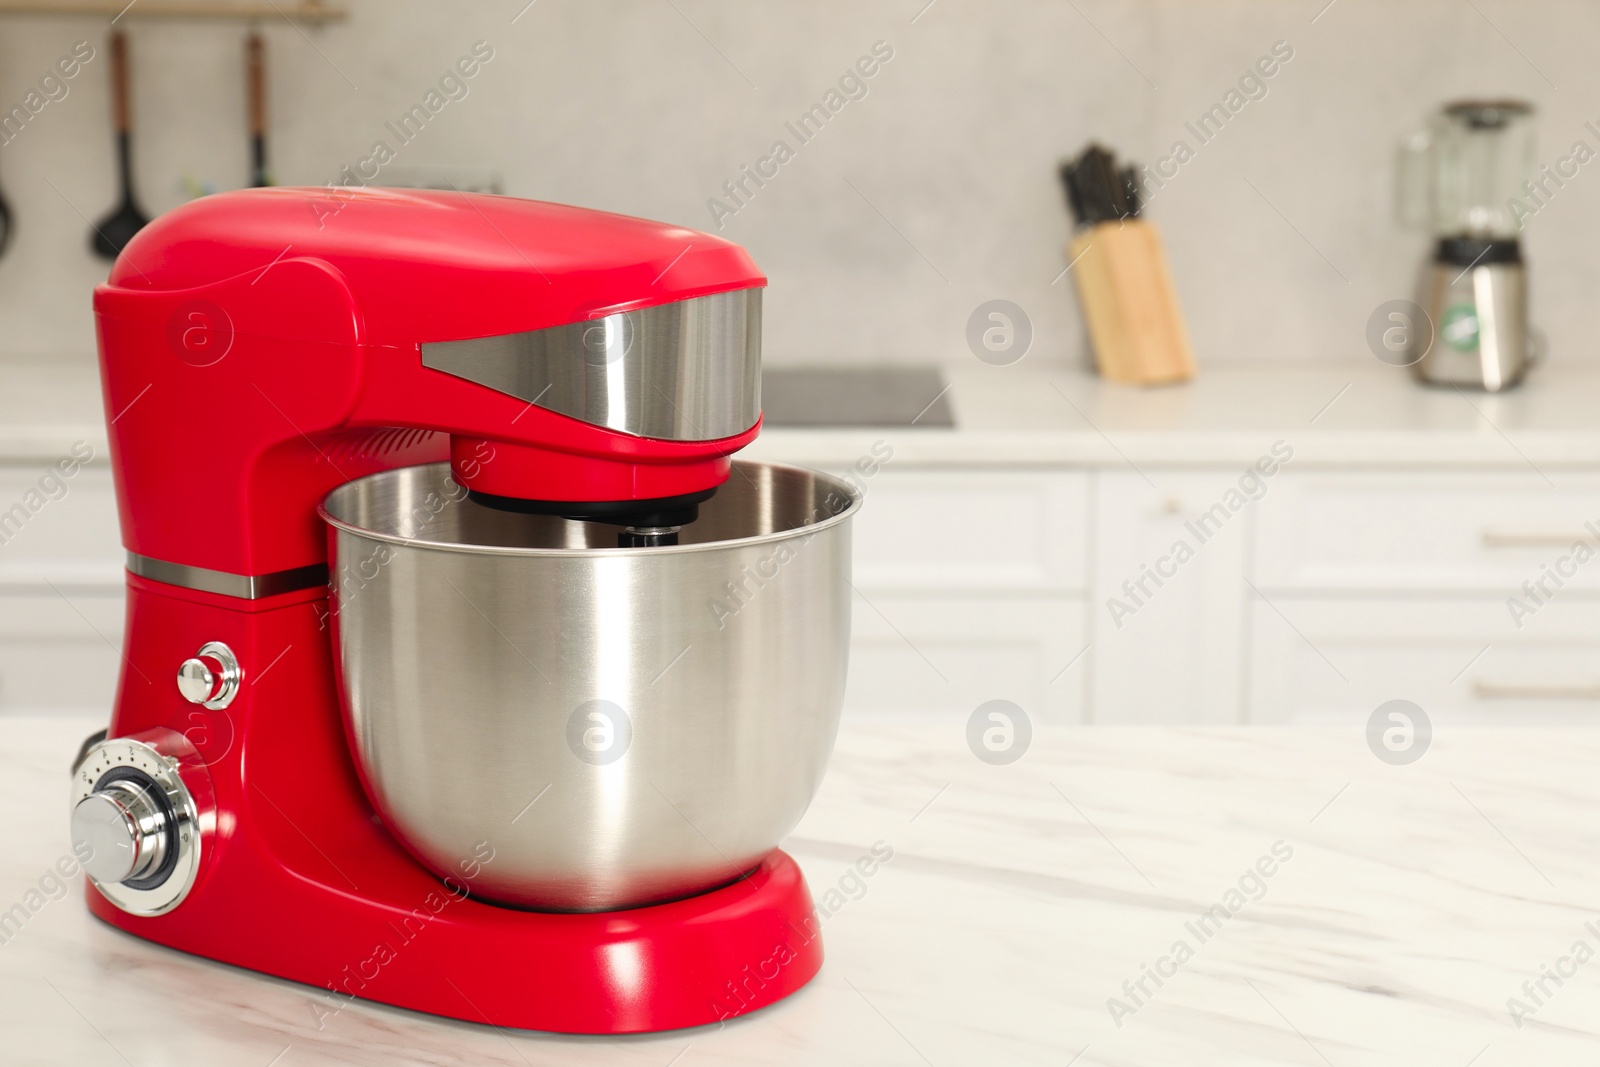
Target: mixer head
[280, 342]
[684, 371]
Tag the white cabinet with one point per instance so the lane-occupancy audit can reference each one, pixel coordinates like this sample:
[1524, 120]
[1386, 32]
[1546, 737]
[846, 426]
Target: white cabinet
[61, 580]
[942, 656]
[1169, 598]
[986, 531]
[60, 649]
[969, 588]
[1313, 601]
[1464, 661]
[1062, 590]
[1474, 594]
[1451, 531]
[60, 531]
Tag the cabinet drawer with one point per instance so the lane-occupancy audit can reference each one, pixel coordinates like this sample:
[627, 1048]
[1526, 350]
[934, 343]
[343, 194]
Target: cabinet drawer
[946, 655]
[1488, 532]
[990, 530]
[57, 653]
[62, 530]
[1463, 661]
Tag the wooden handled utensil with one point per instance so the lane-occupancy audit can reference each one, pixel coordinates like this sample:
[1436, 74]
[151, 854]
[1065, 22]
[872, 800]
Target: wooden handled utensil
[114, 231]
[255, 51]
[5, 224]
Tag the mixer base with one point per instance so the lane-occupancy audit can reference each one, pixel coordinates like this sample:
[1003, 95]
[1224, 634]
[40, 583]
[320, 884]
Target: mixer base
[300, 880]
[692, 962]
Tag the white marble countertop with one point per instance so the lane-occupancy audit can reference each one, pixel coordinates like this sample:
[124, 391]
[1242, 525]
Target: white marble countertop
[1416, 901]
[1344, 413]
[1347, 413]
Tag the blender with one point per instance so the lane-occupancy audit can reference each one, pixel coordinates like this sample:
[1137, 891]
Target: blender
[1463, 176]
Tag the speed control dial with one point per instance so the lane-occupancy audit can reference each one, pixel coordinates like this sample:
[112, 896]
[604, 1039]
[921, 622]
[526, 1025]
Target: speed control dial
[141, 810]
[125, 830]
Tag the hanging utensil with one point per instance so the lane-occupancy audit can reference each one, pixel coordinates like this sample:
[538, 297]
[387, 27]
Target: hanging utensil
[5, 224]
[112, 233]
[255, 50]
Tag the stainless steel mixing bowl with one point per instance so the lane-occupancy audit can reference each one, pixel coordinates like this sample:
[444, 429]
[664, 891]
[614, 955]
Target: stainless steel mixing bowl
[613, 726]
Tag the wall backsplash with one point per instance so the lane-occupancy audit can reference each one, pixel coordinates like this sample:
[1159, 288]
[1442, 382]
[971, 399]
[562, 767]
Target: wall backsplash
[916, 173]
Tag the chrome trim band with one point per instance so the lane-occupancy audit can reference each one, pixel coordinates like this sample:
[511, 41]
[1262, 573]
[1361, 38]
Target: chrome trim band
[685, 371]
[243, 586]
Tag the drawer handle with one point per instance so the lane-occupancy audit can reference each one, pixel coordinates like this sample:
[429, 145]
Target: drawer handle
[1533, 539]
[1497, 691]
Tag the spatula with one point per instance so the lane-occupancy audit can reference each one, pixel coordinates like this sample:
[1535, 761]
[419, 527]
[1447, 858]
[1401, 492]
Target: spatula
[112, 233]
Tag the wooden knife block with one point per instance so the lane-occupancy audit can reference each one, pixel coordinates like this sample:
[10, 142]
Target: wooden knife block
[1135, 323]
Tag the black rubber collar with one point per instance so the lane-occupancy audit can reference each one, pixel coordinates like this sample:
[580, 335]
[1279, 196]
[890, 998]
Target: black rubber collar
[656, 511]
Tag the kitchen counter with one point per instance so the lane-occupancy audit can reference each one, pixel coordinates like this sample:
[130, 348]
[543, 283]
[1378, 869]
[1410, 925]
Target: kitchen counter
[1354, 412]
[1346, 413]
[1396, 911]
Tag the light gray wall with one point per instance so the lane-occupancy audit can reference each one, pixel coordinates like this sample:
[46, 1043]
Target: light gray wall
[935, 192]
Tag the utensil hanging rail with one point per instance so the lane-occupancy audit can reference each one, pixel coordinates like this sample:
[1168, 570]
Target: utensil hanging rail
[307, 11]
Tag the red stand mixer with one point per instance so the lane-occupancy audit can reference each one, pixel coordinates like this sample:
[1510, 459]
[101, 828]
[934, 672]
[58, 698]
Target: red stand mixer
[464, 669]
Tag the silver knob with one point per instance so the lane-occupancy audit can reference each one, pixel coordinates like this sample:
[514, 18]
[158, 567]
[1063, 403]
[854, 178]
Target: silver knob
[124, 830]
[142, 812]
[211, 677]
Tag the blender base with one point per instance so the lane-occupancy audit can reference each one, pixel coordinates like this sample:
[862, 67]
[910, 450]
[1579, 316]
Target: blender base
[300, 879]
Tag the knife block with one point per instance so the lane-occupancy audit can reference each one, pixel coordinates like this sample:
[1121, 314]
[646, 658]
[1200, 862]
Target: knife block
[1135, 324]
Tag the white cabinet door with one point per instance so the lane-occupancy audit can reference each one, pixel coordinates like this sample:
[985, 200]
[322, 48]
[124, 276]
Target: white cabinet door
[60, 650]
[1168, 598]
[1444, 531]
[61, 589]
[969, 589]
[990, 531]
[942, 656]
[58, 531]
[1463, 661]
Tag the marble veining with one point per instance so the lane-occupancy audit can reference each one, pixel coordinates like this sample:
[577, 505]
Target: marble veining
[1020, 900]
